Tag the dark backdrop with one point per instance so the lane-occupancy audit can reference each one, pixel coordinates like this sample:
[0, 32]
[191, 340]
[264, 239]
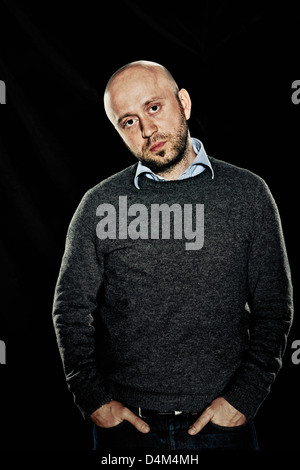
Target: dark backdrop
[237, 60]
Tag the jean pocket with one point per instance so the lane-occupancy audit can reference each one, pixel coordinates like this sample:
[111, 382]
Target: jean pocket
[229, 428]
[113, 428]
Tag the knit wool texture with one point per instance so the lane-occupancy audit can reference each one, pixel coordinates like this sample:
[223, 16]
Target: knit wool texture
[152, 324]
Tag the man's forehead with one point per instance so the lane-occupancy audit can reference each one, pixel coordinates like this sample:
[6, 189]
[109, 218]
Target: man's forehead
[136, 90]
[137, 81]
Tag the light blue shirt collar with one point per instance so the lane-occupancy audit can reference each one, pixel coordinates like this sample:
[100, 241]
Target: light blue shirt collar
[199, 164]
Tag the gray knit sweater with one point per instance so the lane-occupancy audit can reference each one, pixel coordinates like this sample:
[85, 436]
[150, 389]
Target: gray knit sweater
[169, 306]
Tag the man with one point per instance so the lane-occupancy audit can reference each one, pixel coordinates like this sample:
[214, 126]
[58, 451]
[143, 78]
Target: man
[174, 298]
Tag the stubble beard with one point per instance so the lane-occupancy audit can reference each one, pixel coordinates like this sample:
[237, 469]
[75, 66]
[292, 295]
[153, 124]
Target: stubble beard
[164, 160]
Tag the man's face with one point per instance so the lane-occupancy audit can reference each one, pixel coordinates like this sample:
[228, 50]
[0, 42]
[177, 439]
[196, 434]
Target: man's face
[149, 117]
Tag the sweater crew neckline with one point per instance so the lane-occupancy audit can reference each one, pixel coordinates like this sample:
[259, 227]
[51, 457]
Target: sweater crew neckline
[174, 185]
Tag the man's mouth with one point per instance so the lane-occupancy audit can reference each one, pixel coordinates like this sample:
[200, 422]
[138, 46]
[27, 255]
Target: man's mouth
[157, 146]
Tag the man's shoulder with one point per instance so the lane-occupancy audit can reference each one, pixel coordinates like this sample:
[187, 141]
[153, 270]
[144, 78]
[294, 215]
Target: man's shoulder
[122, 180]
[107, 190]
[233, 173]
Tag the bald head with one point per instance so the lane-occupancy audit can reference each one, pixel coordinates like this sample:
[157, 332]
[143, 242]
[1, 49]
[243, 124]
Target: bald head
[153, 67]
[130, 74]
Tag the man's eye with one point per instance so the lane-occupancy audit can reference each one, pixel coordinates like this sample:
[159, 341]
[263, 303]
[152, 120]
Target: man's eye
[154, 109]
[129, 123]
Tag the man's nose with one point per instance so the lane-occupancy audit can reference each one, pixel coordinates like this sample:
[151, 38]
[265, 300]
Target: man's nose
[148, 127]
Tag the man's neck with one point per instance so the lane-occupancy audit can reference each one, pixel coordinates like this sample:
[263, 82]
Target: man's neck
[173, 173]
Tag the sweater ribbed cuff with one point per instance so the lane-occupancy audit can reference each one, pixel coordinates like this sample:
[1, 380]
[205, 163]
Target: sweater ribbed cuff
[86, 413]
[245, 401]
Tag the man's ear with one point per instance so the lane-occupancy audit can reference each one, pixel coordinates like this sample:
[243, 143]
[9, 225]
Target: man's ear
[185, 100]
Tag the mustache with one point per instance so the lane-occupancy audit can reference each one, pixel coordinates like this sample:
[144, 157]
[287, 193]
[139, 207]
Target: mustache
[157, 138]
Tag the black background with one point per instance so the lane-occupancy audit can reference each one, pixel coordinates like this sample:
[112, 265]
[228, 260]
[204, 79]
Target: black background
[236, 59]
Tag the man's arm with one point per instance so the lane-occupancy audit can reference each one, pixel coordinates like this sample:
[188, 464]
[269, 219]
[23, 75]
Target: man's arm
[75, 299]
[271, 305]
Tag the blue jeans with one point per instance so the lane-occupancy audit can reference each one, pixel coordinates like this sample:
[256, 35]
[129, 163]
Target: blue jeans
[170, 433]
